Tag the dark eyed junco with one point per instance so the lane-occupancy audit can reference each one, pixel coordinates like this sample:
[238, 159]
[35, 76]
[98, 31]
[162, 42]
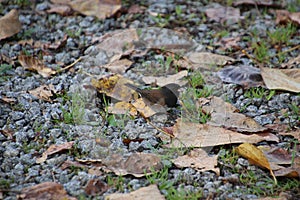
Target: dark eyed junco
[166, 95]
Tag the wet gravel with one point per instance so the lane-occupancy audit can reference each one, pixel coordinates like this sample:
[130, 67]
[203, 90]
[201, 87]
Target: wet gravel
[35, 124]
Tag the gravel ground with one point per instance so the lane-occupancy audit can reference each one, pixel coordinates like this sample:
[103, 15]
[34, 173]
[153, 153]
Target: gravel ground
[36, 124]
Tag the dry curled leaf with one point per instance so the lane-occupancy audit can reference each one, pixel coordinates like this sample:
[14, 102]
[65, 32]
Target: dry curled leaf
[44, 92]
[54, 149]
[31, 63]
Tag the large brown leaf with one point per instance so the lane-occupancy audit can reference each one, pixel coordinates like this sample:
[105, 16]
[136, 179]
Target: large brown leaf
[46, 190]
[199, 160]
[150, 192]
[9, 24]
[189, 134]
[281, 79]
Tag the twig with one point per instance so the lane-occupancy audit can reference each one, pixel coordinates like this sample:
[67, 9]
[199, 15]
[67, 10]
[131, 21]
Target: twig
[69, 66]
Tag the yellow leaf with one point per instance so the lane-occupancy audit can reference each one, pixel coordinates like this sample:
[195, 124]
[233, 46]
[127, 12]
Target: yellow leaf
[255, 156]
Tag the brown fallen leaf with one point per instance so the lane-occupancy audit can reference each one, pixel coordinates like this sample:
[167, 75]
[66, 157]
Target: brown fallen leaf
[9, 24]
[137, 164]
[44, 92]
[137, 42]
[54, 149]
[269, 3]
[31, 63]
[147, 109]
[95, 187]
[7, 100]
[165, 80]
[189, 134]
[229, 43]
[223, 114]
[199, 160]
[99, 8]
[224, 14]
[63, 10]
[295, 134]
[291, 63]
[242, 75]
[123, 108]
[46, 190]
[119, 66]
[285, 17]
[277, 157]
[255, 156]
[117, 43]
[114, 86]
[206, 60]
[281, 79]
[150, 192]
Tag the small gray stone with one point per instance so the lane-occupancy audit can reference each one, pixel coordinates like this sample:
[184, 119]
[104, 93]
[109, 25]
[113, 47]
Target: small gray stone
[17, 115]
[42, 6]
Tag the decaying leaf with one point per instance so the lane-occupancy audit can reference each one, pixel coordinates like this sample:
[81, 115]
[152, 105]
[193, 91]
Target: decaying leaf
[229, 43]
[54, 149]
[269, 3]
[276, 156]
[31, 63]
[9, 24]
[63, 10]
[119, 66]
[136, 164]
[291, 63]
[101, 9]
[147, 109]
[46, 190]
[114, 86]
[116, 44]
[189, 134]
[295, 134]
[199, 160]
[255, 156]
[122, 108]
[150, 192]
[119, 43]
[7, 100]
[246, 76]
[44, 92]
[224, 114]
[95, 187]
[224, 14]
[165, 80]
[291, 172]
[281, 79]
[206, 60]
[285, 17]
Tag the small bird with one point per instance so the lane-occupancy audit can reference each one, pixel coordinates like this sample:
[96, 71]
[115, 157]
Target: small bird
[166, 95]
